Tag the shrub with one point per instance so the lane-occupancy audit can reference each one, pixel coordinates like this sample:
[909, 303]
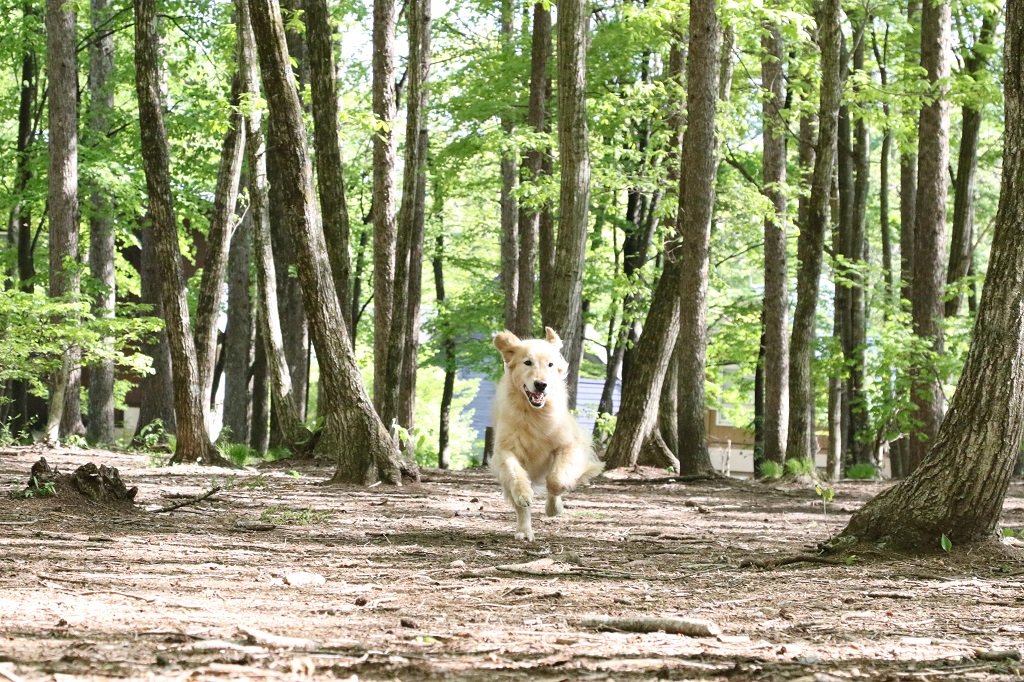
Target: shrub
[862, 472]
[770, 471]
[799, 467]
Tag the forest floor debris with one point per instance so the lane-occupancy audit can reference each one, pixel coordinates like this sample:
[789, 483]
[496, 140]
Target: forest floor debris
[432, 586]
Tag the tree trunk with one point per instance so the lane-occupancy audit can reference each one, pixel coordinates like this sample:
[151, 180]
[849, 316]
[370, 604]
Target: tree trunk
[962, 238]
[574, 195]
[238, 334]
[881, 58]
[284, 401]
[101, 225]
[156, 388]
[447, 357]
[958, 490]
[62, 202]
[222, 225]
[508, 203]
[696, 203]
[193, 443]
[352, 431]
[259, 431]
[776, 298]
[384, 228]
[330, 174]
[801, 441]
[930, 229]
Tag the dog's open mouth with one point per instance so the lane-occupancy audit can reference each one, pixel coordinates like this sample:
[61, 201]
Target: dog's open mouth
[537, 399]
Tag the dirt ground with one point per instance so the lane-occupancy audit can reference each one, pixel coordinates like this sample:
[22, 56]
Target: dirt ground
[277, 576]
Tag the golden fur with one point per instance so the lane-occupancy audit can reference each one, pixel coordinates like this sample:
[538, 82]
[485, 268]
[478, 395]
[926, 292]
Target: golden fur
[536, 438]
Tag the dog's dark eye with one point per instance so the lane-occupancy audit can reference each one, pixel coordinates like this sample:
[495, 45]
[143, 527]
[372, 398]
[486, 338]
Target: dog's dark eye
[551, 364]
[528, 363]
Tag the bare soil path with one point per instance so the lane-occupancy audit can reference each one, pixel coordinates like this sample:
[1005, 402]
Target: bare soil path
[276, 577]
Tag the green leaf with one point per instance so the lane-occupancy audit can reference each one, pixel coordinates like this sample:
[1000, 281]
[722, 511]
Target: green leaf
[946, 543]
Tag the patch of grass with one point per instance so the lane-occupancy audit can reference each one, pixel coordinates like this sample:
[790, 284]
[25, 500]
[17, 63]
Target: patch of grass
[771, 471]
[277, 454]
[799, 467]
[862, 472]
[239, 453]
[296, 517]
[583, 514]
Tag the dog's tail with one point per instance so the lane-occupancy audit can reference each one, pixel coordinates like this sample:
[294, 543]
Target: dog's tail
[592, 468]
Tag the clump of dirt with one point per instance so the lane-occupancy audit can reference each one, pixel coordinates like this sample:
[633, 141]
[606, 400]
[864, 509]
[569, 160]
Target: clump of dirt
[98, 485]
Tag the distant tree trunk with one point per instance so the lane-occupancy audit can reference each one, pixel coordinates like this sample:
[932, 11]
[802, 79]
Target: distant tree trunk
[101, 225]
[801, 441]
[776, 298]
[930, 230]
[357, 283]
[759, 458]
[222, 225]
[881, 58]
[238, 334]
[696, 203]
[962, 238]
[62, 201]
[352, 431]
[574, 196]
[668, 405]
[284, 398]
[958, 490]
[410, 217]
[330, 176]
[259, 431]
[509, 204]
[193, 443]
[447, 357]
[842, 249]
[384, 227]
[157, 389]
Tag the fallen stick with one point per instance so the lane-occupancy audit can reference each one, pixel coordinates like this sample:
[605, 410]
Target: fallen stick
[19, 523]
[192, 500]
[692, 627]
[273, 641]
[792, 559]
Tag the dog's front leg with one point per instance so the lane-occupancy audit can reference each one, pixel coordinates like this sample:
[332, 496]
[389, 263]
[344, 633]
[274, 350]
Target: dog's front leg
[519, 492]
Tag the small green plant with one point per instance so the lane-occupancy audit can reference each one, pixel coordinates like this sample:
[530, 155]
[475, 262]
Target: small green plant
[770, 471]
[799, 467]
[277, 454]
[37, 489]
[73, 440]
[294, 474]
[945, 543]
[298, 517]
[862, 472]
[826, 494]
[254, 482]
[239, 453]
[153, 437]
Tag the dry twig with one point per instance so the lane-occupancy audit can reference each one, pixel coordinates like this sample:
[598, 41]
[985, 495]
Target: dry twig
[192, 500]
[692, 627]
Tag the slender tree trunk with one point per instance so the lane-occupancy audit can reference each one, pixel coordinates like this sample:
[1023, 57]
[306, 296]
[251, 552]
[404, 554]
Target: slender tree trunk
[930, 229]
[222, 225]
[259, 432]
[881, 58]
[352, 431]
[238, 334]
[801, 441]
[447, 356]
[193, 443]
[509, 204]
[958, 490]
[330, 175]
[842, 230]
[696, 203]
[776, 299]
[574, 196]
[384, 228]
[284, 398]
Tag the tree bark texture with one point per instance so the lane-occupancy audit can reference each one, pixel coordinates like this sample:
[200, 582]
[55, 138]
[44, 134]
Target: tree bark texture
[959, 488]
[384, 227]
[101, 225]
[157, 388]
[62, 201]
[330, 175]
[238, 334]
[507, 201]
[860, 441]
[930, 230]
[574, 192]
[801, 440]
[352, 432]
[447, 356]
[776, 298]
[696, 203]
[193, 443]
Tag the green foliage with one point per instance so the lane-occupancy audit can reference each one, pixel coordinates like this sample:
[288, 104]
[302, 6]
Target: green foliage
[239, 453]
[36, 489]
[770, 471]
[799, 467]
[153, 437]
[945, 543]
[862, 472]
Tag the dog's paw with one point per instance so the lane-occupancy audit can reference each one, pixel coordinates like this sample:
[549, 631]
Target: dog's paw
[554, 506]
[526, 535]
[522, 497]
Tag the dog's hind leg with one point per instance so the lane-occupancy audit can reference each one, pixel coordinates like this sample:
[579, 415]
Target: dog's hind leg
[554, 506]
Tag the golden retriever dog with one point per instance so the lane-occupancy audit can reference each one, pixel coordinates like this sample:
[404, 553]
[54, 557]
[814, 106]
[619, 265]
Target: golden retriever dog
[536, 438]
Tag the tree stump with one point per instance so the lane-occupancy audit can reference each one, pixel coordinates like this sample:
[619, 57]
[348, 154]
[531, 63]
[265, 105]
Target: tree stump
[101, 485]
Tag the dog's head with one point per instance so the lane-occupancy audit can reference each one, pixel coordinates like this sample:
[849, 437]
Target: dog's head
[534, 366]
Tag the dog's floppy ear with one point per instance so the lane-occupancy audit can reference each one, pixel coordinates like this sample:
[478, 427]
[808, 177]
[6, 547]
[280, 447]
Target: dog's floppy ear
[552, 338]
[506, 342]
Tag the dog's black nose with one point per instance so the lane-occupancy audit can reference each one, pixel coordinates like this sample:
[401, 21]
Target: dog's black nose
[540, 386]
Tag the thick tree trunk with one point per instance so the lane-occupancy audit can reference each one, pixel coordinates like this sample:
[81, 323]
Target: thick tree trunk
[776, 301]
[574, 195]
[238, 334]
[193, 443]
[696, 203]
[157, 388]
[330, 176]
[384, 228]
[62, 202]
[930, 229]
[352, 432]
[958, 490]
[222, 225]
[801, 441]
[101, 225]
[284, 401]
